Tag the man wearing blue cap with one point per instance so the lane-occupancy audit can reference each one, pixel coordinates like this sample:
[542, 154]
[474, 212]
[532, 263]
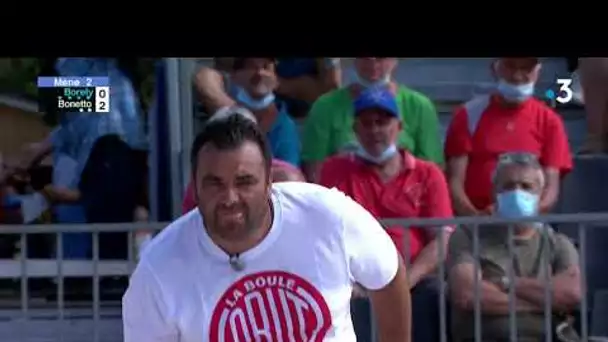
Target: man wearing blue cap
[391, 183]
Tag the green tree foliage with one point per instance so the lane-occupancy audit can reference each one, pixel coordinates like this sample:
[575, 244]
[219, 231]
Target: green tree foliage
[18, 76]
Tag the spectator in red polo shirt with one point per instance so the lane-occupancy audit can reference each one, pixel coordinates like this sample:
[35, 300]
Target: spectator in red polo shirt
[508, 120]
[391, 183]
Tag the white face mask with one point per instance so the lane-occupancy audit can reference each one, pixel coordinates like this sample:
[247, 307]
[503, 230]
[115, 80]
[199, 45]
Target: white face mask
[243, 97]
[387, 154]
[386, 79]
[515, 93]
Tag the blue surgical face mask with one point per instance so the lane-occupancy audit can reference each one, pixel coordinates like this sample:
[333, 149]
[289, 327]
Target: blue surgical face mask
[516, 93]
[243, 97]
[517, 204]
[367, 84]
[387, 154]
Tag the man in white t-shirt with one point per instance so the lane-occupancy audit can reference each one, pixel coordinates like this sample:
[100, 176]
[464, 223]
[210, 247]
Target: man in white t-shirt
[258, 261]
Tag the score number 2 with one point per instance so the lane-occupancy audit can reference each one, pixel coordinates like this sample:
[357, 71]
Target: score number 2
[102, 99]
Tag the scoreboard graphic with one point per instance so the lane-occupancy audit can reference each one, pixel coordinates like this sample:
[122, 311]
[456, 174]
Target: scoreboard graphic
[75, 94]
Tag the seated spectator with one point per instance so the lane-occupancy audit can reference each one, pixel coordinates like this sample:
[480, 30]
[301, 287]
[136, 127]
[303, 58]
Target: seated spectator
[518, 186]
[328, 127]
[509, 119]
[251, 83]
[303, 80]
[391, 183]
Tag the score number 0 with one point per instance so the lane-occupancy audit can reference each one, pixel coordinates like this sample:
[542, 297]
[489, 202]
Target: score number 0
[102, 99]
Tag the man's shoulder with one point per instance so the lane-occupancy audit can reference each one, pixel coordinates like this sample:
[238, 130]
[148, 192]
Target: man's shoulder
[427, 166]
[413, 97]
[172, 241]
[562, 240]
[312, 199]
[545, 111]
[344, 162]
[334, 98]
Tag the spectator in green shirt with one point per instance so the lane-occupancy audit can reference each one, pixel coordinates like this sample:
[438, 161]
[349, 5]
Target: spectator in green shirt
[328, 128]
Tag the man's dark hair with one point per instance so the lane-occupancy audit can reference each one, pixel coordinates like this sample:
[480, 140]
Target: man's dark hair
[239, 63]
[230, 133]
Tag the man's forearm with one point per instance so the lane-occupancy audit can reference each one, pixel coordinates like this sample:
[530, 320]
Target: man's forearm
[427, 261]
[210, 86]
[533, 290]
[549, 198]
[462, 203]
[493, 301]
[42, 150]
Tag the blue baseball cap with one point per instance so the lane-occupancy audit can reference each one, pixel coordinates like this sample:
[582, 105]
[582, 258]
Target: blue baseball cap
[377, 98]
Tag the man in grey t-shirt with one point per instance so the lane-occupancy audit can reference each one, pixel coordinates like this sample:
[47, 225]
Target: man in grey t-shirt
[518, 182]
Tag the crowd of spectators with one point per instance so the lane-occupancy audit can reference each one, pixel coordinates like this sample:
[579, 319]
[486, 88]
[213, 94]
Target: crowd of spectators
[373, 138]
[378, 141]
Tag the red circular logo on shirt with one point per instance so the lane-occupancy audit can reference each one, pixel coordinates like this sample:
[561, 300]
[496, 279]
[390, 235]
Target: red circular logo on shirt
[270, 306]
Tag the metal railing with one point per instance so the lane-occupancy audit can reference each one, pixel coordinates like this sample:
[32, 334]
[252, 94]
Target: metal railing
[22, 269]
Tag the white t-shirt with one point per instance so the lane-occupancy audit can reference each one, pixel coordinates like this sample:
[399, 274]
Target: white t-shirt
[295, 285]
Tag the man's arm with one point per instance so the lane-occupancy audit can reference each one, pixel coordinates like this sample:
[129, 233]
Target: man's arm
[461, 278]
[59, 194]
[144, 310]
[550, 194]
[437, 204]
[392, 308]
[457, 170]
[556, 159]
[35, 153]
[427, 261]
[375, 264]
[457, 147]
[565, 281]
[210, 85]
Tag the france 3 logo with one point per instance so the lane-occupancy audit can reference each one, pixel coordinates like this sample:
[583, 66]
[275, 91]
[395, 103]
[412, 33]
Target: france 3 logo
[562, 93]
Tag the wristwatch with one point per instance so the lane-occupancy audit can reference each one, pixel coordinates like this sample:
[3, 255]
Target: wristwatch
[504, 283]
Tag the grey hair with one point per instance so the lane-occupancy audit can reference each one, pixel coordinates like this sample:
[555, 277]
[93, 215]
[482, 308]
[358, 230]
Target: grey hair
[518, 158]
[228, 111]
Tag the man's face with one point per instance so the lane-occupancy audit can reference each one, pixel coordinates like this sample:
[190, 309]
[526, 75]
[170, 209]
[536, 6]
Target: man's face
[257, 76]
[373, 69]
[232, 190]
[376, 130]
[518, 177]
[518, 70]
